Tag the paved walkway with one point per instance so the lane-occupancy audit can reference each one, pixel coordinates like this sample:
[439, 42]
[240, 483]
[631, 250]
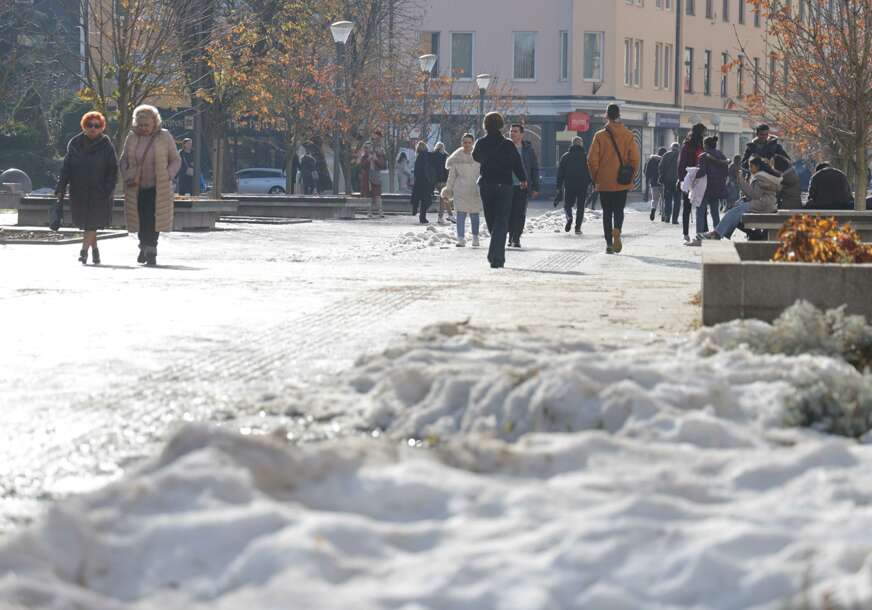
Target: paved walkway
[98, 362]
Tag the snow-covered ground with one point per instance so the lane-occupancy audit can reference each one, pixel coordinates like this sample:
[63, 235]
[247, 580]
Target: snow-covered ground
[477, 459]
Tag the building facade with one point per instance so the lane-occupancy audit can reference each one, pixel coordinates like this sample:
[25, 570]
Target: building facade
[668, 63]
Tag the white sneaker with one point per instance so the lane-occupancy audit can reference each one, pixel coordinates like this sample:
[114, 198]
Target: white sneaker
[475, 243]
[461, 243]
[442, 222]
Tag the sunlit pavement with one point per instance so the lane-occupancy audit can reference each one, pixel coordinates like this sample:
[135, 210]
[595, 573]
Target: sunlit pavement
[98, 363]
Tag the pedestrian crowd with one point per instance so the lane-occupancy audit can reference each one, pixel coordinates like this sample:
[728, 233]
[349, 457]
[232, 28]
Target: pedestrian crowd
[493, 176]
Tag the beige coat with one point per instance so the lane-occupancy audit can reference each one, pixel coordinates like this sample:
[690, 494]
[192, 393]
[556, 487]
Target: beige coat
[462, 185]
[166, 165]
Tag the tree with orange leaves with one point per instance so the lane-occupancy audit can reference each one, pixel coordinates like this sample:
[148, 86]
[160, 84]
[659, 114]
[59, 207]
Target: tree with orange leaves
[819, 78]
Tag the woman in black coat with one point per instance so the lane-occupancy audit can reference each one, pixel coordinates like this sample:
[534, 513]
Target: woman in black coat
[91, 171]
[425, 180]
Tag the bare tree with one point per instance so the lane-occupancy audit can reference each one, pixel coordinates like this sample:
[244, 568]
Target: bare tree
[818, 82]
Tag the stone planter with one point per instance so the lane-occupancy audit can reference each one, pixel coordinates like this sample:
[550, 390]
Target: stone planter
[772, 223]
[294, 206]
[740, 281]
[188, 215]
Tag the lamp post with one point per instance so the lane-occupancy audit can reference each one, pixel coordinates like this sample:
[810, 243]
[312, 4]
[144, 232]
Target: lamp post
[426, 62]
[483, 81]
[340, 30]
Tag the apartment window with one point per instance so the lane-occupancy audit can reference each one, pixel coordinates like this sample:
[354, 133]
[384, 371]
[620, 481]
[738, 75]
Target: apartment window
[725, 61]
[525, 56]
[690, 8]
[628, 62]
[665, 5]
[772, 67]
[667, 66]
[688, 70]
[756, 76]
[742, 11]
[430, 44]
[725, 11]
[658, 65]
[756, 17]
[638, 53]
[707, 73]
[802, 10]
[709, 9]
[593, 56]
[564, 55]
[461, 54]
[740, 78]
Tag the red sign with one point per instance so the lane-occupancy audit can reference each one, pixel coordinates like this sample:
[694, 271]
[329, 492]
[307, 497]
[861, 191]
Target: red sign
[578, 121]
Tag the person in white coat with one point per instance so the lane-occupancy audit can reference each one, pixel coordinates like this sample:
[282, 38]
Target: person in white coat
[462, 187]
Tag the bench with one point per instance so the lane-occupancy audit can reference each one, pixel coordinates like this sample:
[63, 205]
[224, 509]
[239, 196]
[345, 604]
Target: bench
[294, 206]
[188, 215]
[772, 223]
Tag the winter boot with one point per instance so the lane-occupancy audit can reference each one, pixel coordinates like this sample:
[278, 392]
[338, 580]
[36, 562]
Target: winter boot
[95, 255]
[83, 256]
[475, 243]
[151, 256]
[616, 240]
[141, 258]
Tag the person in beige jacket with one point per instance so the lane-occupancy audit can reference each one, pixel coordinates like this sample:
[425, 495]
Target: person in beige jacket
[612, 147]
[148, 164]
[462, 188]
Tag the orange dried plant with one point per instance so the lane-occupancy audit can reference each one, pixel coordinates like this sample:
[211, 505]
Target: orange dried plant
[811, 239]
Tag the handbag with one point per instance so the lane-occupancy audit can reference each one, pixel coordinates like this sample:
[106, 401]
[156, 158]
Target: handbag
[57, 216]
[625, 172]
[131, 182]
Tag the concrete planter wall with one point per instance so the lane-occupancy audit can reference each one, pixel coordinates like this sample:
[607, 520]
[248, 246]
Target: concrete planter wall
[294, 206]
[772, 223]
[739, 281]
[188, 215]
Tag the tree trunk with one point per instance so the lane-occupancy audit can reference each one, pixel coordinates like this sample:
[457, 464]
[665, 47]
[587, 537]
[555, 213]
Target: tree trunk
[289, 165]
[860, 156]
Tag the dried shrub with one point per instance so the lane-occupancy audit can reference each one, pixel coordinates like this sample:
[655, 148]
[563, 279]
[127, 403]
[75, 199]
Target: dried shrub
[809, 239]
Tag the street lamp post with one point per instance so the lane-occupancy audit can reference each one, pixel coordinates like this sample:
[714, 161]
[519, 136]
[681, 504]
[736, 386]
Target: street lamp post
[340, 30]
[483, 81]
[426, 62]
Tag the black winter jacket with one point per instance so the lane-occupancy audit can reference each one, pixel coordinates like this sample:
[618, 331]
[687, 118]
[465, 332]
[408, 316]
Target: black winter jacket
[91, 171]
[830, 190]
[652, 170]
[572, 172]
[668, 169]
[531, 165]
[767, 150]
[499, 160]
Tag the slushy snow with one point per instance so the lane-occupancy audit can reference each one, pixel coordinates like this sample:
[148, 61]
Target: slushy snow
[492, 470]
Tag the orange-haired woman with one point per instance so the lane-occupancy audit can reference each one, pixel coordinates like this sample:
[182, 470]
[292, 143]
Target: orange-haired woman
[91, 171]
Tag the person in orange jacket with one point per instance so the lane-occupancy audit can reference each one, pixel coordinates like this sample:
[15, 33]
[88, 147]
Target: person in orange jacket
[614, 162]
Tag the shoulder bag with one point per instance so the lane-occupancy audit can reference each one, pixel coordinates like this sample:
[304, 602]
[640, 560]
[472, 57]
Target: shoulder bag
[625, 172]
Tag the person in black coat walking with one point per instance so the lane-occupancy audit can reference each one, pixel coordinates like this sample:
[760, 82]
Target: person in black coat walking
[500, 162]
[425, 180]
[653, 186]
[90, 171]
[308, 171]
[185, 177]
[667, 172]
[573, 181]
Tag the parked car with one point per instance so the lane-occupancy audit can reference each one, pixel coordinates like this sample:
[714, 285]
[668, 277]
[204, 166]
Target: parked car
[260, 180]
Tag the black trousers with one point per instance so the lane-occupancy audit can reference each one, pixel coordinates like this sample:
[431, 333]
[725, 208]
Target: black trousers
[671, 201]
[145, 205]
[518, 215]
[613, 203]
[496, 200]
[421, 201]
[572, 198]
[686, 207]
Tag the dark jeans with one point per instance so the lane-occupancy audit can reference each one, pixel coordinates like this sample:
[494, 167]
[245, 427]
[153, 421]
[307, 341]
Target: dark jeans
[145, 207]
[675, 202]
[518, 216]
[685, 213]
[671, 201]
[574, 199]
[497, 202]
[613, 203]
[186, 185]
[701, 214]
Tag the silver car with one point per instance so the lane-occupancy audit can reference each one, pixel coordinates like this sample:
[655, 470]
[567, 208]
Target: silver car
[261, 180]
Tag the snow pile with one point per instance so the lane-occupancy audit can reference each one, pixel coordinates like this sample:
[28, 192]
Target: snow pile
[430, 237]
[506, 470]
[553, 221]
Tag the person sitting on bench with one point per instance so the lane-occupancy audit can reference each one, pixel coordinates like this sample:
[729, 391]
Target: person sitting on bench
[829, 190]
[762, 191]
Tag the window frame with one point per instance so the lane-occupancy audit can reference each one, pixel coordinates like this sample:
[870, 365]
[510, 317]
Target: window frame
[598, 74]
[565, 49]
[688, 70]
[471, 55]
[515, 77]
